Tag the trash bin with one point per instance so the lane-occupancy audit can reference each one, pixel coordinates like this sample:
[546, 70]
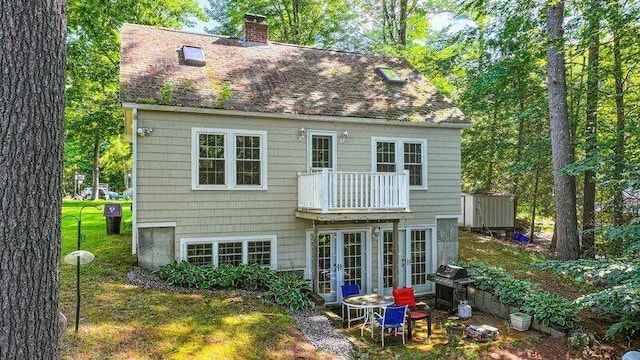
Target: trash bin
[113, 213]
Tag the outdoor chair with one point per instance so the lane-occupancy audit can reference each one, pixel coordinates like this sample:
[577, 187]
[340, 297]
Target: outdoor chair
[392, 318]
[416, 311]
[348, 291]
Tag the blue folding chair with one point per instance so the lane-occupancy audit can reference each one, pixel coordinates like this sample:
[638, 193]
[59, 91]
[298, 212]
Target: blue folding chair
[392, 318]
[347, 291]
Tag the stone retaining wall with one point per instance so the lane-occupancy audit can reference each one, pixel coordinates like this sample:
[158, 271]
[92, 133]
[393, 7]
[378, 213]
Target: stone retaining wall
[483, 301]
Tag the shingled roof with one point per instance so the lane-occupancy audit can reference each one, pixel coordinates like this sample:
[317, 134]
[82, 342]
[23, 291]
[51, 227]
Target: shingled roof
[273, 78]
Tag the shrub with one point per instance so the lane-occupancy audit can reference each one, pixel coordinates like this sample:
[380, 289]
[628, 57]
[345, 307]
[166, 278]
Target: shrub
[546, 308]
[600, 272]
[290, 291]
[287, 290]
[620, 304]
[512, 291]
[486, 275]
[551, 309]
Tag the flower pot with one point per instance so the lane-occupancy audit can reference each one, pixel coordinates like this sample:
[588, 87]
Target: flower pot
[520, 321]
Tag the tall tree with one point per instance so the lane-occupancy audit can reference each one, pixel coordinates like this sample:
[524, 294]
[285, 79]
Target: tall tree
[395, 14]
[32, 59]
[589, 187]
[564, 185]
[93, 113]
[619, 151]
[302, 22]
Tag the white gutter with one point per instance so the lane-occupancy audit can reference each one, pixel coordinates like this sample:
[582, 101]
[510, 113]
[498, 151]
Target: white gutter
[326, 118]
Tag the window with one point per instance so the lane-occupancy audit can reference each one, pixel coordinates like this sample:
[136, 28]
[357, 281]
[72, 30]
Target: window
[237, 250]
[395, 155]
[321, 150]
[193, 55]
[230, 253]
[229, 159]
[390, 75]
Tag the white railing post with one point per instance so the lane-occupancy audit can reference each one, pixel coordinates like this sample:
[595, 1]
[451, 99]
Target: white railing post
[405, 195]
[325, 190]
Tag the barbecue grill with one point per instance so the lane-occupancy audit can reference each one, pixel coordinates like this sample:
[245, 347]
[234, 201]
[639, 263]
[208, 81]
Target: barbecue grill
[451, 286]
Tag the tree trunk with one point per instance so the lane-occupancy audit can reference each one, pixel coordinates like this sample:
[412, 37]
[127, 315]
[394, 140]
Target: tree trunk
[96, 170]
[402, 24]
[533, 207]
[589, 189]
[564, 185]
[619, 151]
[519, 146]
[32, 59]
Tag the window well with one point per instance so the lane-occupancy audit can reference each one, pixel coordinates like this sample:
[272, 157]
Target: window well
[193, 55]
[390, 75]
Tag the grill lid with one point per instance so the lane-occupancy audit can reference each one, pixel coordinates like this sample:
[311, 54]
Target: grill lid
[452, 272]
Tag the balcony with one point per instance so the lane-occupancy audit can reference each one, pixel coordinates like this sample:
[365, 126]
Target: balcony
[330, 191]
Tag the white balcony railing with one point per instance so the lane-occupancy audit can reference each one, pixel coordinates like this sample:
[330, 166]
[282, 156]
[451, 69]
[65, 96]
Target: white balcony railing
[334, 191]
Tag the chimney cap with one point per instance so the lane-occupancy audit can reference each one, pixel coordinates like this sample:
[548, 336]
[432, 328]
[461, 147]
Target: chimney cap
[255, 18]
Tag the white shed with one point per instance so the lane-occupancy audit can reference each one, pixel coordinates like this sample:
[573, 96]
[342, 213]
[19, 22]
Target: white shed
[487, 211]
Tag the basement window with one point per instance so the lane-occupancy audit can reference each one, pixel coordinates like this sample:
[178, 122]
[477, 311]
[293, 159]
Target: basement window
[390, 75]
[193, 55]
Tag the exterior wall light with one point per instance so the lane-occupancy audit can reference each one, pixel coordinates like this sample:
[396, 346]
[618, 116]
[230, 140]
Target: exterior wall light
[302, 133]
[344, 136]
[144, 131]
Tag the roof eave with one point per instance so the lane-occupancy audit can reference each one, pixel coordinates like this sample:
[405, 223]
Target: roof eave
[305, 117]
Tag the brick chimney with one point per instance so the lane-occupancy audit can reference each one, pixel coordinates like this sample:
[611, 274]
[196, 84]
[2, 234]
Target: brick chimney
[255, 29]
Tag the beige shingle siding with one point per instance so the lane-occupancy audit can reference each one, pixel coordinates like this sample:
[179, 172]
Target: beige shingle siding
[164, 178]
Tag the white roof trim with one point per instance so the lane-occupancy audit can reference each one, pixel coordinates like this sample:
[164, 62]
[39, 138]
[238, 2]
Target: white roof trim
[342, 119]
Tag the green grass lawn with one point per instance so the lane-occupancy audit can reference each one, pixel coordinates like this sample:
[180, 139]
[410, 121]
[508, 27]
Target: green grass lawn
[121, 321]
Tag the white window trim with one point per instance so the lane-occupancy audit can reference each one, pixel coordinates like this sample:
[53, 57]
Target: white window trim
[230, 239]
[334, 148]
[230, 160]
[400, 156]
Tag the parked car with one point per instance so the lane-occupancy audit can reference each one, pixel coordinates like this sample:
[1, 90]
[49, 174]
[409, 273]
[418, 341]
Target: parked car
[114, 195]
[87, 193]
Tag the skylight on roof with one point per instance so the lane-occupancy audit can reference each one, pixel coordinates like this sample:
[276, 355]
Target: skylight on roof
[193, 55]
[390, 75]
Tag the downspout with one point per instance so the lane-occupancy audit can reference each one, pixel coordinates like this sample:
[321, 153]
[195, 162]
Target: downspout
[134, 182]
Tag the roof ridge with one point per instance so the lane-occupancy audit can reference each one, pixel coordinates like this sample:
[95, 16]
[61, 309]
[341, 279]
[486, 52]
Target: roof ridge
[269, 41]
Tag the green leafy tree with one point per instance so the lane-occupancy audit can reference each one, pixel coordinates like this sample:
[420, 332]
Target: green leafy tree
[117, 162]
[93, 112]
[303, 22]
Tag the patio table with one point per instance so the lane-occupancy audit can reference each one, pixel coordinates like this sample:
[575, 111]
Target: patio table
[368, 303]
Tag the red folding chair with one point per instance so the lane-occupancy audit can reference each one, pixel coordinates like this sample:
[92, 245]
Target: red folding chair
[416, 311]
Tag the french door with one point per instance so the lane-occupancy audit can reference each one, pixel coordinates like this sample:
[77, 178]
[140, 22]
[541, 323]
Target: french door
[341, 260]
[416, 253]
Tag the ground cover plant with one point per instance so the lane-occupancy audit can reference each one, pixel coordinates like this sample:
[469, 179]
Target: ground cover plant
[546, 308]
[618, 301]
[122, 321]
[285, 289]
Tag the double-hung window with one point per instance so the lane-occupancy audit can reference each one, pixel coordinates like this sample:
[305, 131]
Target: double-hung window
[321, 150]
[234, 251]
[229, 159]
[396, 155]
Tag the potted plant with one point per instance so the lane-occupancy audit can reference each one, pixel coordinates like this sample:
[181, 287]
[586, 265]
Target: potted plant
[520, 321]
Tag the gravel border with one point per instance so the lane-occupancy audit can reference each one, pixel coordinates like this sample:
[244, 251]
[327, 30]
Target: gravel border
[318, 329]
[313, 323]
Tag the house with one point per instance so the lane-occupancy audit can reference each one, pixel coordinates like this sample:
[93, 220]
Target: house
[316, 161]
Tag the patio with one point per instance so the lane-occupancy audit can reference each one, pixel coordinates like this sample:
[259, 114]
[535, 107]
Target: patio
[529, 344]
